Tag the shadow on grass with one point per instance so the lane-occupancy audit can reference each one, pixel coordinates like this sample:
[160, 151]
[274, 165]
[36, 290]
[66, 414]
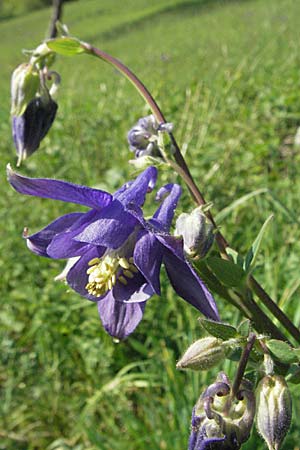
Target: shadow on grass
[185, 8]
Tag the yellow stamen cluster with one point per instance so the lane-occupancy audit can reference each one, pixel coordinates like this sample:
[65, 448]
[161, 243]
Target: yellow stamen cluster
[104, 273]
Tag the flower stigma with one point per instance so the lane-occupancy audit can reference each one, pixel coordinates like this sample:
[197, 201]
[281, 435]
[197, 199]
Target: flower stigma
[105, 272]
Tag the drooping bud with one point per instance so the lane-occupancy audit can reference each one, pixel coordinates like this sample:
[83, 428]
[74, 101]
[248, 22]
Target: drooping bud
[29, 129]
[203, 354]
[197, 232]
[220, 421]
[143, 137]
[33, 110]
[274, 410]
[24, 86]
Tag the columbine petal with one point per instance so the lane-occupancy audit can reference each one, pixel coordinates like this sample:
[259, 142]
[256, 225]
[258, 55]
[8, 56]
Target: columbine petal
[147, 256]
[39, 241]
[63, 245]
[58, 190]
[136, 290]
[120, 319]
[204, 443]
[198, 439]
[112, 229]
[184, 278]
[165, 213]
[77, 277]
[63, 274]
[135, 192]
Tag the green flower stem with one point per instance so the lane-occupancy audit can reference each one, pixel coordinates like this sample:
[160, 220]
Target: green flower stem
[180, 166]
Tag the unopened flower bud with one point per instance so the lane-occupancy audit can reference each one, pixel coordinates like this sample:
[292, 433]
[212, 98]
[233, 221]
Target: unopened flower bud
[31, 127]
[197, 232]
[24, 85]
[143, 137]
[203, 354]
[33, 108]
[274, 410]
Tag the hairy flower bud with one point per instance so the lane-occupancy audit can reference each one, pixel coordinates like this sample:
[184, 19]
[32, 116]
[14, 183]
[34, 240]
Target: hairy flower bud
[197, 232]
[143, 137]
[24, 86]
[274, 410]
[203, 354]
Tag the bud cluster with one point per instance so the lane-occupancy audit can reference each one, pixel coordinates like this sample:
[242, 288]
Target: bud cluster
[224, 414]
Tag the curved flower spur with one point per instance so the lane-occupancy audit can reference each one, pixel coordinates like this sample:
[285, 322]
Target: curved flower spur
[118, 253]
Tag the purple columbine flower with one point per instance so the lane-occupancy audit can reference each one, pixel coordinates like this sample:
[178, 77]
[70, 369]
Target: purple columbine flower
[119, 252]
[221, 420]
[198, 438]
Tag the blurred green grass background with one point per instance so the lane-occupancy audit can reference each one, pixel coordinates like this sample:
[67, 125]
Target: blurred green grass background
[226, 73]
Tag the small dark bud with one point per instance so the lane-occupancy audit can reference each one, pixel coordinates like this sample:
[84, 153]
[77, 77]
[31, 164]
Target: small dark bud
[33, 108]
[32, 126]
[197, 232]
[274, 410]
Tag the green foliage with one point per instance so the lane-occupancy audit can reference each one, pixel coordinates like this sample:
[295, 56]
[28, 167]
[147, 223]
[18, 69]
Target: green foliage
[254, 249]
[66, 46]
[231, 87]
[230, 274]
[219, 330]
[283, 351]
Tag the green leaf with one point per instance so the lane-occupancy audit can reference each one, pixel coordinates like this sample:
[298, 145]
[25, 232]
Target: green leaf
[66, 46]
[294, 375]
[219, 330]
[254, 249]
[297, 353]
[244, 327]
[235, 355]
[210, 280]
[230, 274]
[282, 351]
[235, 256]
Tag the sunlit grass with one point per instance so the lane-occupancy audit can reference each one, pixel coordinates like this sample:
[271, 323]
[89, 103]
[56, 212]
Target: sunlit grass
[227, 75]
